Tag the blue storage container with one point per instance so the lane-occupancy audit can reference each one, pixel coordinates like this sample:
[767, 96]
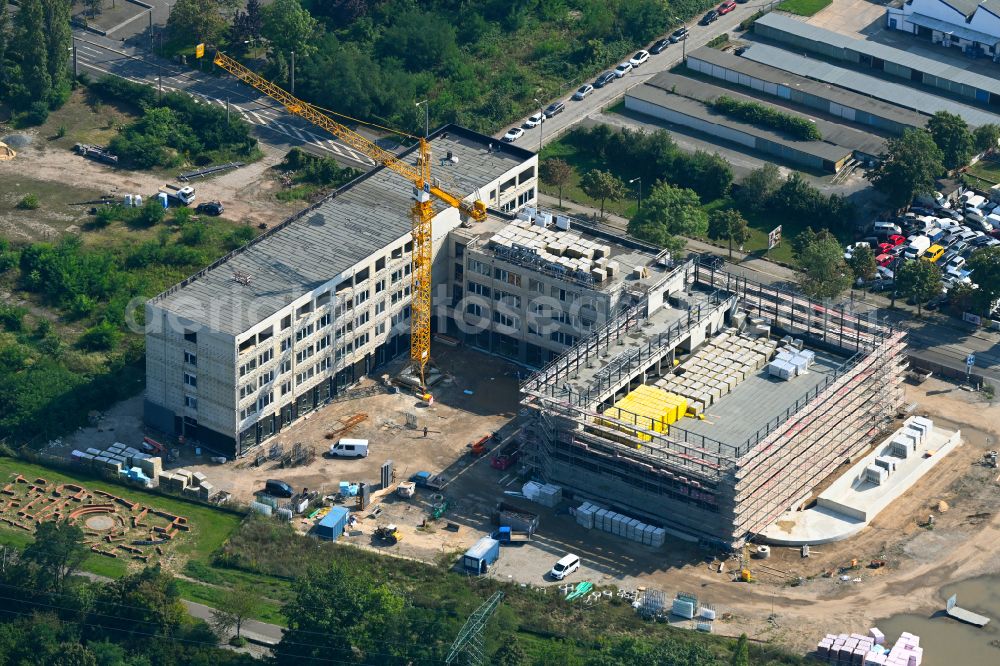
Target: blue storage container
[333, 523]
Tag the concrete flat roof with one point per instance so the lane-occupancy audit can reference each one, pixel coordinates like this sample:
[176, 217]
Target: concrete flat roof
[833, 133]
[758, 400]
[895, 93]
[696, 109]
[314, 246]
[851, 502]
[781, 22]
[826, 91]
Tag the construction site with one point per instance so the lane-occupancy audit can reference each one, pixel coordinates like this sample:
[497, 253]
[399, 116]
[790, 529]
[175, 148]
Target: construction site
[668, 413]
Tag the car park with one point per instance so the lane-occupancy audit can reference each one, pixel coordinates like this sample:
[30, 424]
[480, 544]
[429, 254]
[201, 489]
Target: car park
[554, 109]
[623, 69]
[604, 79]
[679, 34]
[660, 46]
[513, 134]
[726, 7]
[535, 120]
[711, 17]
[583, 91]
[639, 58]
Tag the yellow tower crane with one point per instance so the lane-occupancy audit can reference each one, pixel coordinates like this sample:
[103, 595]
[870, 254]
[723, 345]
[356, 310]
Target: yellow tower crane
[422, 212]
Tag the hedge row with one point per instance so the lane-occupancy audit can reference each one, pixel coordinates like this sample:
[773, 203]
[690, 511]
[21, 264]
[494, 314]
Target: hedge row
[766, 116]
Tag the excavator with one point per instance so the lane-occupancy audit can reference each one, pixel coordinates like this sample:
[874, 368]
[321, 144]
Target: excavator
[422, 212]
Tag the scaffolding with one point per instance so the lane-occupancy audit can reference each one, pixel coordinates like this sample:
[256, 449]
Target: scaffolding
[719, 491]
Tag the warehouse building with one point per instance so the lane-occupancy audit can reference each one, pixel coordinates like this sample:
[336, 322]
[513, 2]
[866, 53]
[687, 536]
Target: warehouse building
[530, 287]
[273, 330]
[900, 95]
[658, 102]
[714, 405]
[823, 97]
[878, 57]
[973, 26]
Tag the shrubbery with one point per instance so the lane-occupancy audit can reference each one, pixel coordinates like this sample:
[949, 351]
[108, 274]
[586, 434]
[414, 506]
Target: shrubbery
[311, 173]
[766, 116]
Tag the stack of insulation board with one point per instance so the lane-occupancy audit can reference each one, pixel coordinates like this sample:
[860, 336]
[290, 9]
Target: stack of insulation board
[684, 605]
[559, 247]
[791, 362]
[844, 649]
[860, 650]
[647, 407]
[717, 368]
[611, 522]
[906, 652]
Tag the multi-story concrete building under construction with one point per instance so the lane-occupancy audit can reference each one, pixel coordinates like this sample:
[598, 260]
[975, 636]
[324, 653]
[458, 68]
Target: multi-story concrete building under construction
[710, 404]
[270, 332]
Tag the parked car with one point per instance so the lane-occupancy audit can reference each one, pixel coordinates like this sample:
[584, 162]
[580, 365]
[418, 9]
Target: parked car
[554, 109]
[887, 228]
[604, 79]
[349, 448]
[660, 46]
[726, 7]
[849, 250]
[210, 208]
[513, 134]
[932, 199]
[583, 91]
[884, 259]
[535, 120]
[917, 246]
[639, 58]
[566, 565]
[679, 34]
[278, 488]
[896, 239]
[955, 262]
[623, 69]
[933, 253]
[711, 17]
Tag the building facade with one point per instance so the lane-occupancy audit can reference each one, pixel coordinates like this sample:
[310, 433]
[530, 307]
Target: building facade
[968, 25]
[272, 331]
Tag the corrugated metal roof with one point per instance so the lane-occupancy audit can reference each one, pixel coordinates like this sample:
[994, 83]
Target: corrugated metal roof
[481, 547]
[780, 22]
[895, 93]
[823, 90]
[952, 28]
[690, 107]
[330, 237]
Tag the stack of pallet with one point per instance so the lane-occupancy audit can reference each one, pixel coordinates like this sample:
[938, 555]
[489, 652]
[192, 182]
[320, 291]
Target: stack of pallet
[551, 240]
[717, 368]
[648, 408]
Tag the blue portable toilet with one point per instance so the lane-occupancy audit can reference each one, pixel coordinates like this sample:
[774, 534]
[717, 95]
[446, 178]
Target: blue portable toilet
[332, 526]
[164, 199]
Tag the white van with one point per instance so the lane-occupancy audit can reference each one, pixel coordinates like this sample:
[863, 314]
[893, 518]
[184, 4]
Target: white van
[349, 448]
[916, 247]
[565, 566]
[887, 228]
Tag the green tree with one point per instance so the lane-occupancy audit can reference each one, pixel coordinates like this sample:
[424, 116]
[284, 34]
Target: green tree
[825, 273]
[422, 40]
[920, 280]
[102, 337]
[58, 42]
[908, 167]
[667, 214]
[757, 187]
[236, 605]
[986, 137]
[807, 237]
[510, 653]
[862, 263]
[603, 185]
[288, 27]
[985, 265]
[195, 21]
[30, 45]
[58, 551]
[741, 653]
[556, 172]
[729, 225]
[94, 7]
[951, 134]
[335, 611]
[130, 608]
[708, 174]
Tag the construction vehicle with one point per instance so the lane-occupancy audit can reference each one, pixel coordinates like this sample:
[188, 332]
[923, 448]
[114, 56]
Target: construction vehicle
[96, 153]
[389, 534]
[429, 481]
[419, 175]
[478, 447]
[152, 446]
[506, 534]
[406, 489]
[177, 194]
[517, 519]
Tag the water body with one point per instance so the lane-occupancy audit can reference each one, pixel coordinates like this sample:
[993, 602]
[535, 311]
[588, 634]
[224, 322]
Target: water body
[948, 642]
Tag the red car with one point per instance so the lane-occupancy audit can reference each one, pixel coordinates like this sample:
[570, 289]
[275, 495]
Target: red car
[506, 457]
[884, 259]
[884, 248]
[726, 7]
[896, 239]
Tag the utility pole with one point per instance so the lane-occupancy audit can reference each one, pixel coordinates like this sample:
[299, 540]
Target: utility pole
[150, 30]
[227, 110]
[76, 64]
[638, 178]
[541, 124]
[470, 638]
[293, 72]
[427, 116]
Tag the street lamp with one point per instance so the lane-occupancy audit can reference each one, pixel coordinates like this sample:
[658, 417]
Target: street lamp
[427, 116]
[541, 124]
[293, 72]
[639, 180]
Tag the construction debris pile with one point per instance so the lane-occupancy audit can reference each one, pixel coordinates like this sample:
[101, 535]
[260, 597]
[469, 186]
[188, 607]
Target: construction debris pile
[860, 650]
[593, 516]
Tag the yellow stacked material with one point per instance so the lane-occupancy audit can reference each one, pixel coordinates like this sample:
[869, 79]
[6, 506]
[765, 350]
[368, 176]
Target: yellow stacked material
[648, 408]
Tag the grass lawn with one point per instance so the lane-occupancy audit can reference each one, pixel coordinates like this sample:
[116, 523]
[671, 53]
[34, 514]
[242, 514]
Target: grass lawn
[987, 171]
[211, 527]
[267, 611]
[803, 7]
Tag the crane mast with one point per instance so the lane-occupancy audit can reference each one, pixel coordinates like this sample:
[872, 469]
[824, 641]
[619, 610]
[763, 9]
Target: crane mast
[422, 211]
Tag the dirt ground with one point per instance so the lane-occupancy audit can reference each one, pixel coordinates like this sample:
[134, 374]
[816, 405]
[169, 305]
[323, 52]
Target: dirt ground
[778, 606]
